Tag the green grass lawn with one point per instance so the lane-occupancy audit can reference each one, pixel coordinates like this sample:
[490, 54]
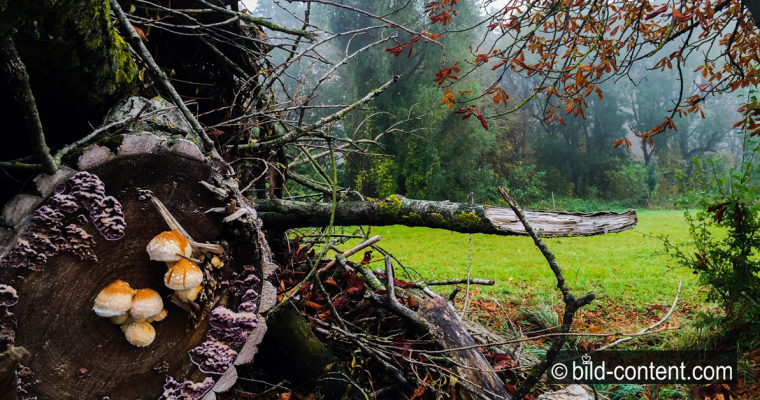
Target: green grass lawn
[630, 266]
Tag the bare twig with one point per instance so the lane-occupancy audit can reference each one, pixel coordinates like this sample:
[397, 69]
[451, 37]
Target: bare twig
[15, 72]
[198, 133]
[350, 252]
[572, 304]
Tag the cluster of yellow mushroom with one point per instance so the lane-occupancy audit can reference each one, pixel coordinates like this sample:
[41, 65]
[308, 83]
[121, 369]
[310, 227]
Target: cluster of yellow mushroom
[133, 309]
[184, 276]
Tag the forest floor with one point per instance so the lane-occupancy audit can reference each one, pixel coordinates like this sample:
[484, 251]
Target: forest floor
[630, 266]
[634, 280]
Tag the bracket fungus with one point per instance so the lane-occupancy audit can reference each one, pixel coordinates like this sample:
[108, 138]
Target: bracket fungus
[166, 247]
[213, 357]
[8, 321]
[229, 327]
[108, 218]
[115, 299]
[186, 390]
[45, 237]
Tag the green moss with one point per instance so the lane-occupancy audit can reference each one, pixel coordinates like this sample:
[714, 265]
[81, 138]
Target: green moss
[111, 142]
[391, 206]
[437, 220]
[71, 48]
[467, 220]
[413, 218]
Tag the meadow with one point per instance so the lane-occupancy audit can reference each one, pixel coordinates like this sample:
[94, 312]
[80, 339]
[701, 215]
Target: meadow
[628, 267]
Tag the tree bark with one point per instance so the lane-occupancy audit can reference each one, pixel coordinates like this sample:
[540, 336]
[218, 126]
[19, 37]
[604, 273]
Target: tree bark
[458, 217]
[76, 354]
[481, 382]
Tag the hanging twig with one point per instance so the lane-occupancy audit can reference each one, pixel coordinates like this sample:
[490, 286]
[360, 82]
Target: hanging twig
[198, 133]
[15, 72]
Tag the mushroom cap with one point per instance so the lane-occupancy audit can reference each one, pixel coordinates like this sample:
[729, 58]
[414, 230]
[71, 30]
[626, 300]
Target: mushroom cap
[139, 334]
[158, 317]
[115, 299]
[146, 303]
[167, 245]
[185, 274]
[188, 295]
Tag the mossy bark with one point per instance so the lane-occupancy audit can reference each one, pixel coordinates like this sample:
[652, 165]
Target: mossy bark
[73, 54]
[459, 217]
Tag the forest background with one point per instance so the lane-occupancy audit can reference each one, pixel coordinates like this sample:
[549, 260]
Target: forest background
[571, 166]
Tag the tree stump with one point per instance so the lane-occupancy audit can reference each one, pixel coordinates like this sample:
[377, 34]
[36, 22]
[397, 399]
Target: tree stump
[75, 353]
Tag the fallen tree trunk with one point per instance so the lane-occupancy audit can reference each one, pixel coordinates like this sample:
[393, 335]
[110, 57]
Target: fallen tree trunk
[459, 217]
[481, 381]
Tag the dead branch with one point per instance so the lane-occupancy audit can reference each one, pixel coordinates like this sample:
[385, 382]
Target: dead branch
[18, 80]
[572, 304]
[199, 134]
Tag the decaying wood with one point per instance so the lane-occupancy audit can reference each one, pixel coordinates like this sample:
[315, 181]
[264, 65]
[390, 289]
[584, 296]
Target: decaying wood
[459, 217]
[291, 348]
[55, 319]
[470, 364]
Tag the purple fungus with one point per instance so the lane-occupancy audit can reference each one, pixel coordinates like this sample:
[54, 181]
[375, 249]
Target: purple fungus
[242, 286]
[38, 262]
[8, 321]
[79, 242]
[45, 219]
[87, 188]
[250, 296]
[186, 390]
[19, 256]
[247, 307]
[65, 202]
[108, 218]
[8, 325]
[229, 336]
[213, 357]
[8, 296]
[42, 244]
[224, 318]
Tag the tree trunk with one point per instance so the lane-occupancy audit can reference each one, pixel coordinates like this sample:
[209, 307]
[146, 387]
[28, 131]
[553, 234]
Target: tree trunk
[467, 218]
[76, 354]
[481, 382]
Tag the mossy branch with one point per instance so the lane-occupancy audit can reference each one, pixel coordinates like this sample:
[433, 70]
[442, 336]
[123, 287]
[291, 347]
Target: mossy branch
[260, 21]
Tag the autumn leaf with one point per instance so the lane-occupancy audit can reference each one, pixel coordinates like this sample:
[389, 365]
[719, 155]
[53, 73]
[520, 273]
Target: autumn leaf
[448, 97]
[625, 141]
[467, 112]
[481, 59]
[656, 12]
[140, 34]
[397, 49]
[499, 96]
[447, 73]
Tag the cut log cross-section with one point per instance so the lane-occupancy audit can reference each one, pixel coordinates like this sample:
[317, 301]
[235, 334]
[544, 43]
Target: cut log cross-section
[75, 353]
[459, 217]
